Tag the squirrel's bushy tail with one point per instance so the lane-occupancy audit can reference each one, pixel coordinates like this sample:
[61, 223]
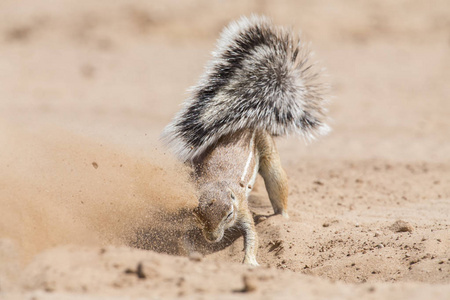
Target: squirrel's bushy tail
[260, 77]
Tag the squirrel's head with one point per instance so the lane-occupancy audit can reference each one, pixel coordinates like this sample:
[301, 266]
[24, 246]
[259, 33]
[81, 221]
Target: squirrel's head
[217, 210]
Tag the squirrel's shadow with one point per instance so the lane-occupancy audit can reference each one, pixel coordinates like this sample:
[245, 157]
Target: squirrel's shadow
[176, 234]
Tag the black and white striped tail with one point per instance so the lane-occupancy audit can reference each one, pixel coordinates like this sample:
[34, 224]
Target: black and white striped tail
[260, 77]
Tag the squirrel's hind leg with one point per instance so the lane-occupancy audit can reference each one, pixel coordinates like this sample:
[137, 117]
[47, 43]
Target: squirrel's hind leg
[274, 176]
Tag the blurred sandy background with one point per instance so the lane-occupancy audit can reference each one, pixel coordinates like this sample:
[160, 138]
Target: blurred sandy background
[86, 87]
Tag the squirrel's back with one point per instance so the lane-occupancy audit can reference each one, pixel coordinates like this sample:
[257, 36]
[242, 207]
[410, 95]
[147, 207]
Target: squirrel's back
[260, 77]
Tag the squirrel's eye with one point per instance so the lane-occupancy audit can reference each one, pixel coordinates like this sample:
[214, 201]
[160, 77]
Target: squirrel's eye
[229, 215]
[232, 196]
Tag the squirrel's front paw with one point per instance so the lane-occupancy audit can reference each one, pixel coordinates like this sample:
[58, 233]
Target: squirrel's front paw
[251, 261]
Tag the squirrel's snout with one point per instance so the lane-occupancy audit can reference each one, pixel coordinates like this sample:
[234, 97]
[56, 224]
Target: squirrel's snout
[213, 237]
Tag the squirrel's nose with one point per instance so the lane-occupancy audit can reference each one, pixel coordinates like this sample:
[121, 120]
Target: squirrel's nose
[212, 237]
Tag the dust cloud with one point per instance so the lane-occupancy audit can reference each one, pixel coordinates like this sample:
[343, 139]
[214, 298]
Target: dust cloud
[57, 189]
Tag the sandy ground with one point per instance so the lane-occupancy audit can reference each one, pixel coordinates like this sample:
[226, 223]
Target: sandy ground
[92, 207]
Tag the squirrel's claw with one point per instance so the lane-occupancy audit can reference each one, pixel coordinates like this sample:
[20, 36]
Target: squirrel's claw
[251, 261]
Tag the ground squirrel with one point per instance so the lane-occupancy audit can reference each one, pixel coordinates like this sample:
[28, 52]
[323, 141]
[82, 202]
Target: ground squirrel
[260, 83]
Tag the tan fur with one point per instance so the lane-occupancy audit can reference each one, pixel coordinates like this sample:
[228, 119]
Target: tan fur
[225, 175]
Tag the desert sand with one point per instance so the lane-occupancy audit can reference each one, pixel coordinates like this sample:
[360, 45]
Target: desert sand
[92, 206]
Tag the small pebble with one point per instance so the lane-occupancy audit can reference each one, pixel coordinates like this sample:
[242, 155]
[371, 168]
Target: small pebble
[249, 284]
[401, 226]
[195, 256]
